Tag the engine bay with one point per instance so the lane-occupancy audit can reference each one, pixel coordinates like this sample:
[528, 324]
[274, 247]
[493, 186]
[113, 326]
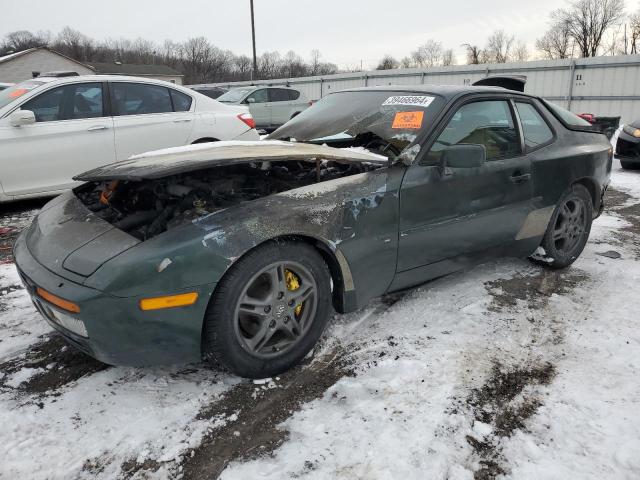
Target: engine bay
[147, 208]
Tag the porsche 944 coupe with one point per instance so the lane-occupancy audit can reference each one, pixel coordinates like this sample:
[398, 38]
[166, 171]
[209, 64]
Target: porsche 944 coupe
[239, 251]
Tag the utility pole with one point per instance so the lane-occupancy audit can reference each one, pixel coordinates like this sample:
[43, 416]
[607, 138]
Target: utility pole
[254, 75]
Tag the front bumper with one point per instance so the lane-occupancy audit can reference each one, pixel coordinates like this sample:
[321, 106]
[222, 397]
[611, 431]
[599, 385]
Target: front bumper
[118, 331]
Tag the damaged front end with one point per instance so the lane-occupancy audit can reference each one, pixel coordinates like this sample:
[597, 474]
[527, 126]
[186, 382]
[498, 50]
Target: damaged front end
[148, 207]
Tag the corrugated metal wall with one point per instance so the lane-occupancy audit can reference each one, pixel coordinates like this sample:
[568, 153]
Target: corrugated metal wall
[605, 86]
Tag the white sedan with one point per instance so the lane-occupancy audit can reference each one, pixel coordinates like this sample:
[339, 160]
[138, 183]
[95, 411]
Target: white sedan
[54, 128]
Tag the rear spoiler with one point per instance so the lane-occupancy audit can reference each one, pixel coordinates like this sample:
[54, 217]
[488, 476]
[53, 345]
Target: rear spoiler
[510, 82]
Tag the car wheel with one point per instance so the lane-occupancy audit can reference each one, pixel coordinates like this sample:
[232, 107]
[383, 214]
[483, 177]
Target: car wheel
[568, 229]
[269, 310]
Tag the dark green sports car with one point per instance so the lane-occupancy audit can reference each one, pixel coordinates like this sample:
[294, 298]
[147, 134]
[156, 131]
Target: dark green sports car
[238, 252]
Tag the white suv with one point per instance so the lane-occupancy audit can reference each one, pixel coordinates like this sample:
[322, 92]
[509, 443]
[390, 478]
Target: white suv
[271, 107]
[54, 128]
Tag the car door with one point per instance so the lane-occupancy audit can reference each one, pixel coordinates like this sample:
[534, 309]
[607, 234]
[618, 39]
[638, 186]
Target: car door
[281, 106]
[73, 133]
[455, 212]
[257, 102]
[145, 120]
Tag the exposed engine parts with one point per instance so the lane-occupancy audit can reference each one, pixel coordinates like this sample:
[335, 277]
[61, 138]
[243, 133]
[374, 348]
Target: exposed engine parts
[147, 208]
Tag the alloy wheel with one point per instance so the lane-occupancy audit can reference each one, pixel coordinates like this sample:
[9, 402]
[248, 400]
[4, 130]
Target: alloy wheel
[275, 309]
[570, 225]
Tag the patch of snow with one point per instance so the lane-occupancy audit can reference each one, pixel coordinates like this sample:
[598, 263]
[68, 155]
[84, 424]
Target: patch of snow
[22, 376]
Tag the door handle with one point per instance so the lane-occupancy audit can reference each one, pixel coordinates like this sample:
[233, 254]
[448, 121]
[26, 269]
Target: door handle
[520, 178]
[97, 127]
[182, 120]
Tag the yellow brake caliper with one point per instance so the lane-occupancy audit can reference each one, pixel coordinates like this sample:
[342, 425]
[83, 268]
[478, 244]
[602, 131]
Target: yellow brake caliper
[293, 284]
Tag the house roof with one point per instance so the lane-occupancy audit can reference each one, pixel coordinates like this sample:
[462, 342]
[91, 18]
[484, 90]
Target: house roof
[21, 53]
[133, 69]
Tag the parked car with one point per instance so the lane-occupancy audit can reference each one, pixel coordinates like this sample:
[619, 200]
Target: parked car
[628, 146]
[271, 107]
[209, 91]
[238, 251]
[53, 128]
[5, 85]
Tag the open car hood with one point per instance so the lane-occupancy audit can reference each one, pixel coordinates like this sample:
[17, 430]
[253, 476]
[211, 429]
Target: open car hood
[172, 161]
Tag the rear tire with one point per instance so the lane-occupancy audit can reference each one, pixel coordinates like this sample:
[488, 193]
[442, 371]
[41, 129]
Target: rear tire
[262, 320]
[568, 229]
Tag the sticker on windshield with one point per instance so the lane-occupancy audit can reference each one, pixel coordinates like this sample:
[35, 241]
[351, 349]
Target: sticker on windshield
[18, 92]
[408, 120]
[417, 100]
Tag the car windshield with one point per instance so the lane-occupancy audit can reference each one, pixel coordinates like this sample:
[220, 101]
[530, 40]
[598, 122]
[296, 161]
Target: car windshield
[234, 95]
[387, 121]
[10, 94]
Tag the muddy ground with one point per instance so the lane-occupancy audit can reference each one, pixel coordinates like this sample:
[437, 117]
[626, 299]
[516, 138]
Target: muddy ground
[253, 412]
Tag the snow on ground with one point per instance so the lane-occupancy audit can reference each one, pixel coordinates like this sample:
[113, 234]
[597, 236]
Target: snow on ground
[398, 418]
[508, 370]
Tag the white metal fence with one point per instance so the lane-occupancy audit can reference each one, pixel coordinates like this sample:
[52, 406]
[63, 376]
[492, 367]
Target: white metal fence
[605, 86]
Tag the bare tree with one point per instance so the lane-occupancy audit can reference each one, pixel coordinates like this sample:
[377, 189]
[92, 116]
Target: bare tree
[75, 44]
[198, 59]
[23, 40]
[556, 43]
[634, 33]
[387, 63]
[448, 58]
[428, 54]
[588, 21]
[499, 47]
[520, 52]
[474, 54]
[315, 61]
[406, 62]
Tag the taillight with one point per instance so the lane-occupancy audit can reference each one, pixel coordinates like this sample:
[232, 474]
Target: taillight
[247, 119]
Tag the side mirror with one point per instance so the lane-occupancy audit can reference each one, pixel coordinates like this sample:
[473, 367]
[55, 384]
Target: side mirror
[22, 117]
[251, 100]
[465, 155]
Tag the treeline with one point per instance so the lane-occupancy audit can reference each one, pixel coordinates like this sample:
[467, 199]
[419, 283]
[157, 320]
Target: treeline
[196, 58]
[583, 28]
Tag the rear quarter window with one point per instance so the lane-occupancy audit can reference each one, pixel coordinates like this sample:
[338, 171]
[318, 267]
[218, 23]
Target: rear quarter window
[569, 119]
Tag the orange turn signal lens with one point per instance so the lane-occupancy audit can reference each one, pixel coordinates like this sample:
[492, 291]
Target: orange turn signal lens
[57, 301]
[171, 301]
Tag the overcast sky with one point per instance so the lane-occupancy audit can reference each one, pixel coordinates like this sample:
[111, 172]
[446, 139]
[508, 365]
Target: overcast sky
[345, 31]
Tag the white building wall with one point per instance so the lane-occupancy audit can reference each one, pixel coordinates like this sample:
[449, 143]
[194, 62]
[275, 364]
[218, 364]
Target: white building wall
[605, 86]
[21, 67]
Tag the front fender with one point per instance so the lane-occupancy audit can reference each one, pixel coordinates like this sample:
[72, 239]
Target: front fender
[355, 217]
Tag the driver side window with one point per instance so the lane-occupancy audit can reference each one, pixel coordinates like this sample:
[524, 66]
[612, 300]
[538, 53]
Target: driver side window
[489, 123]
[259, 96]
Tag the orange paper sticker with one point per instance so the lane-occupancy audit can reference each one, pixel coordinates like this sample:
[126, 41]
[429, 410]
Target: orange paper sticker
[408, 120]
[18, 92]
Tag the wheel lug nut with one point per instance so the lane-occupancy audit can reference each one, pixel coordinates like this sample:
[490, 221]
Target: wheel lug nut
[272, 324]
[291, 303]
[280, 295]
[267, 309]
[286, 320]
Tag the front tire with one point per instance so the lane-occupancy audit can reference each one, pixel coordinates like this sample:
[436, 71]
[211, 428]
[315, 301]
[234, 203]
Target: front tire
[568, 229]
[269, 310]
